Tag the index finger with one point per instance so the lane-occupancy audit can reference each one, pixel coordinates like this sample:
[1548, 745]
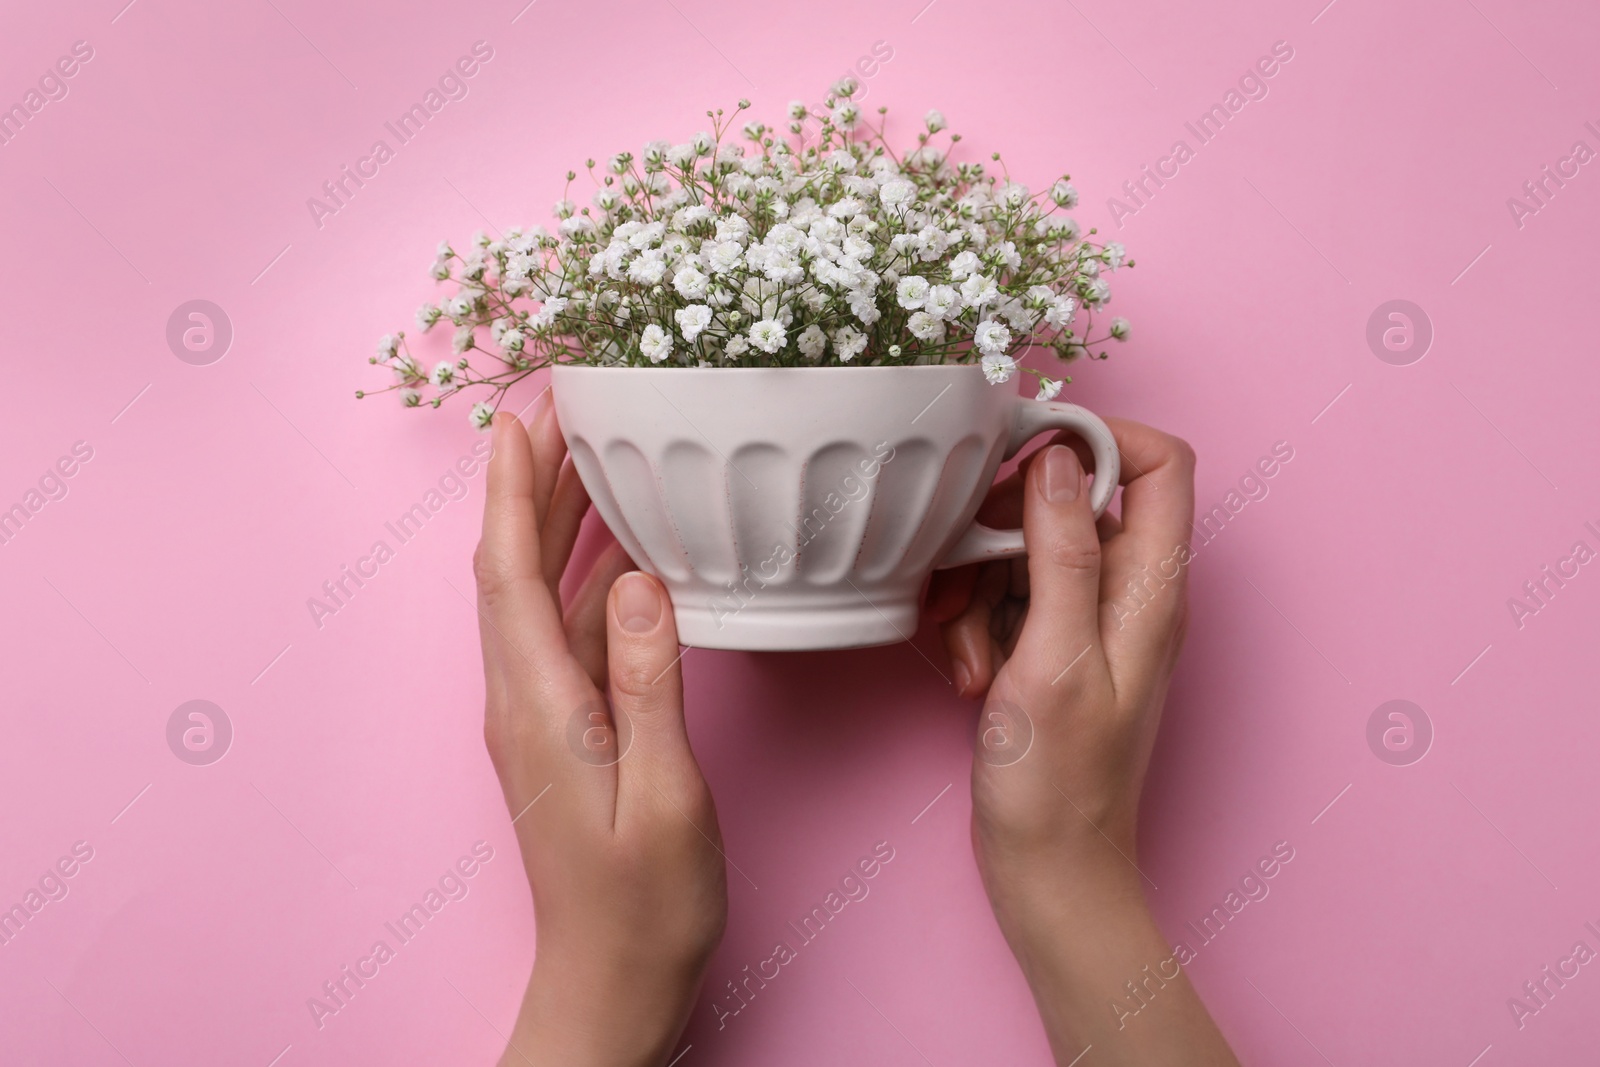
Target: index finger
[520, 620]
[1158, 488]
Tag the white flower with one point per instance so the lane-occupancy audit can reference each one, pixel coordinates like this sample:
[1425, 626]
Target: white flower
[849, 342]
[964, 265]
[724, 256]
[410, 398]
[845, 208]
[911, 291]
[943, 302]
[481, 416]
[655, 343]
[1064, 194]
[999, 369]
[1097, 292]
[991, 337]
[1120, 328]
[692, 319]
[462, 340]
[690, 283]
[546, 315]
[1049, 389]
[1114, 254]
[427, 315]
[863, 307]
[444, 374]
[389, 344]
[768, 335]
[812, 341]
[797, 110]
[847, 116]
[736, 347]
[649, 268]
[511, 340]
[897, 192]
[935, 121]
[925, 327]
[1059, 313]
[979, 290]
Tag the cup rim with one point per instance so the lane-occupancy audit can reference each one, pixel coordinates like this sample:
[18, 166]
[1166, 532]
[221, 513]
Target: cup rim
[929, 369]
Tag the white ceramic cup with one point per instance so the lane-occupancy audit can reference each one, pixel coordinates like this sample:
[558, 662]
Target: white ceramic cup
[803, 507]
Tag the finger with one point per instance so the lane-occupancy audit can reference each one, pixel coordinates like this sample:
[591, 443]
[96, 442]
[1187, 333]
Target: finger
[1146, 564]
[647, 691]
[949, 592]
[967, 638]
[549, 449]
[569, 503]
[1063, 570]
[1158, 485]
[586, 615]
[520, 623]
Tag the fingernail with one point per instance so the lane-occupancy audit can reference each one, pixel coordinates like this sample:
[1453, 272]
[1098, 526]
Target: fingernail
[638, 603]
[963, 678]
[1063, 475]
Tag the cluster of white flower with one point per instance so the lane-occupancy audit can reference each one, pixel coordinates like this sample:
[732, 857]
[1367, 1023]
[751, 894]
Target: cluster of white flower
[819, 246]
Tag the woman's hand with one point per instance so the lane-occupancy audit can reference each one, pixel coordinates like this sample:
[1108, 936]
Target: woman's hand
[1074, 646]
[615, 823]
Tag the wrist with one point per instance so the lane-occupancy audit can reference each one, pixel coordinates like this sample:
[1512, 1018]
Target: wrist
[602, 1009]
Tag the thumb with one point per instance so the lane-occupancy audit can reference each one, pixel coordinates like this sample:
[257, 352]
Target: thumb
[1063, 573]
[647, 691]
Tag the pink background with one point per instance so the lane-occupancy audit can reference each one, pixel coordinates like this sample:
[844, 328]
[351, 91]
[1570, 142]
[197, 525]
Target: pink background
[179, 564]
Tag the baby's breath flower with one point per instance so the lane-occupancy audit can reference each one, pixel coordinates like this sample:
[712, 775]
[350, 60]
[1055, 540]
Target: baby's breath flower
[655, 343]
[731, 247]
[999, 368]
[692, 320]
[481, 416]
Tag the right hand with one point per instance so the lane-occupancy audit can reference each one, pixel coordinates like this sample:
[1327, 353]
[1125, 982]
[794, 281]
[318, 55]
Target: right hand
[1073, 648]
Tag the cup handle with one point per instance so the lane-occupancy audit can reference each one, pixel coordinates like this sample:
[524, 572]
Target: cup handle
[1032, 418]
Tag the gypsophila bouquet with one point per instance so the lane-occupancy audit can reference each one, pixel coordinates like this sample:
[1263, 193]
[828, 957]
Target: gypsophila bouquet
[821, 246]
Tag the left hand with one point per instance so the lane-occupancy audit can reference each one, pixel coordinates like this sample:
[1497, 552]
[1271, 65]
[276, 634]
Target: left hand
[623, 855]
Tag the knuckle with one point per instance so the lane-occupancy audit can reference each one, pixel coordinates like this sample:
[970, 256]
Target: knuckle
[637, 677]
[1073, 554]
[1182, 451]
